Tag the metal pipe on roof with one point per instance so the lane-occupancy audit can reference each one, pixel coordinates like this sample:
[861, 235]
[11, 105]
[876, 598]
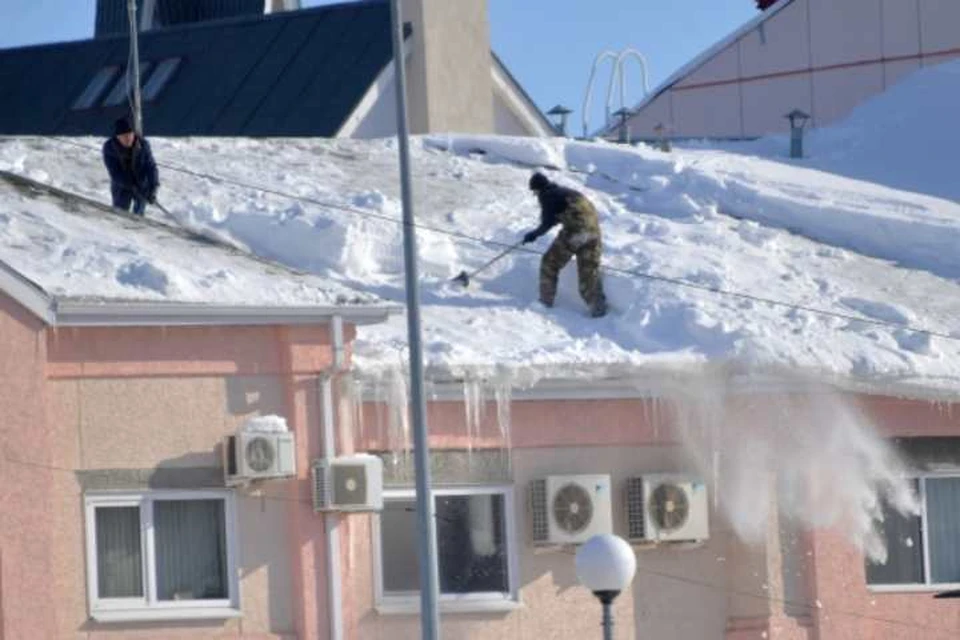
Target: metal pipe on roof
[585, 110]
[135, 60]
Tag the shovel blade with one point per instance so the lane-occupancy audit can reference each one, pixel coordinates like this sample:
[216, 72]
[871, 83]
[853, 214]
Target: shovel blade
[463, 279]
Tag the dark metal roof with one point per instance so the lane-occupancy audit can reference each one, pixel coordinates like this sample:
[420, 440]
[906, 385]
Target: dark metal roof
[112, 14]
[298, 73]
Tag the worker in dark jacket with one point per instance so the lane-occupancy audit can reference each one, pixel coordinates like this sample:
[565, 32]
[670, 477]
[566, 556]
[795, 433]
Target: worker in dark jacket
[133, 172]
[579, 236]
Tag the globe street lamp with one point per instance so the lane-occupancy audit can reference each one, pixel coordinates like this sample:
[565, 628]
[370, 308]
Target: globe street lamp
[606, 565]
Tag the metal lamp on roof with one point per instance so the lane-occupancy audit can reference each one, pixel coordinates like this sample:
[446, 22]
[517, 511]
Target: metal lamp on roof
[797, 120]
[606, 565]
[624, 115]
[560, 113]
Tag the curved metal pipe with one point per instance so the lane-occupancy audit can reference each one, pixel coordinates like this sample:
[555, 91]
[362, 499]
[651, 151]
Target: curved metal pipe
[618, 74]
[585, 110]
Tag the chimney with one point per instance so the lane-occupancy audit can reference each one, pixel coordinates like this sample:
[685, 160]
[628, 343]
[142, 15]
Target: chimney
[449, 83]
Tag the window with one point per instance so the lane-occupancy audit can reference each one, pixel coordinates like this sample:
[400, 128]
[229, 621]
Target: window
[161, 555]
[475, 554]
[160, 78]
[121, 89]
[923, 550]
[95, 88]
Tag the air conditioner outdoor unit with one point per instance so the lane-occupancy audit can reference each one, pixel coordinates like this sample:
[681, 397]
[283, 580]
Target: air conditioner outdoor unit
[348, 483]
[258, 455]
[570, 509]
[667, 508]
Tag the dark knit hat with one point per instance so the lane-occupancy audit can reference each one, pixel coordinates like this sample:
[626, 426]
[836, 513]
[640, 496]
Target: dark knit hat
[121, 126]
[538, 182]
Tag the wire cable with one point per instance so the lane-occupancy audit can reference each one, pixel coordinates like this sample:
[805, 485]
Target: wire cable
[677, 282]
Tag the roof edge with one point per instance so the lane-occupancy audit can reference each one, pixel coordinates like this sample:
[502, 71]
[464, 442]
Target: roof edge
[80, 313]
[638, 382]
[26, 293]
[499, 65]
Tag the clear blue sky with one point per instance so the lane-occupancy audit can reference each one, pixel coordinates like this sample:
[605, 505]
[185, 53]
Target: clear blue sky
[549, 45]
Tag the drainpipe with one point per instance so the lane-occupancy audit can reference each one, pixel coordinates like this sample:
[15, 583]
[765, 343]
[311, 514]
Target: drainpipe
[332, 520]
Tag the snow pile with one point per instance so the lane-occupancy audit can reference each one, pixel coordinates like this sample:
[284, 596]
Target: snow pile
[906, 137]
[265, 424]
[683, 233]
[74, 250]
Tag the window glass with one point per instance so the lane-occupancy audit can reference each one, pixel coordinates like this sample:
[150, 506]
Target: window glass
[119, 560]
[191, 549]
[398, 536]
[471, 544]
[943, 529]
[121, 89]
[472, 554]
[95, 88]
[160, 78]
[163, 554]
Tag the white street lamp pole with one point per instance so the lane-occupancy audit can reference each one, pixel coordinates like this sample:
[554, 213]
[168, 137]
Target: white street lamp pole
[606, 565]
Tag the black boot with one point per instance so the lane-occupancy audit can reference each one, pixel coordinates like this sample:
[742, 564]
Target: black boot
[599, 310]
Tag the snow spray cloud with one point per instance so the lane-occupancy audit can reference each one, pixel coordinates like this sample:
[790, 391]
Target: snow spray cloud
[809, 452]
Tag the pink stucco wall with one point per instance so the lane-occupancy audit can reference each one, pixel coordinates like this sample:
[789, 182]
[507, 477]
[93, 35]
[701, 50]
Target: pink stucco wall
[740, 591]
[821, 56]
[26, 479]
[852, 612]
[140, 398]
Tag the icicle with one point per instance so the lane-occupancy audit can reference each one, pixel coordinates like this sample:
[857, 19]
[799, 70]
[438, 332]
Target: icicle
[399, 423]
[716, 480]
[472, 401]
[359, 394]
[503, 394]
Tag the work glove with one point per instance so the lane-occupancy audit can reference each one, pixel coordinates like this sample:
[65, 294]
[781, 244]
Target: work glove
[529, 237]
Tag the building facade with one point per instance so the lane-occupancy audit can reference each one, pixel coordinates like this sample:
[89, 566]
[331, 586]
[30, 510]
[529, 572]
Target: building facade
[821, 57]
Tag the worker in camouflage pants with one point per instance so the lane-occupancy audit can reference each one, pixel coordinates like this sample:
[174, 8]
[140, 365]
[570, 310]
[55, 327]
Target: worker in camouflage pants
[579, 236]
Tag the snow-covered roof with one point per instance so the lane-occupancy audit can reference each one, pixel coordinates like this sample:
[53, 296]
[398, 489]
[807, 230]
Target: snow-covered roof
[73, 261]
[706, 56]
[711, 257]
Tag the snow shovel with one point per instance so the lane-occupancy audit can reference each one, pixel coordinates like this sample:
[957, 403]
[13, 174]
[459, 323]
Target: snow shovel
[156, 204]
[464, 278]
[164, 210]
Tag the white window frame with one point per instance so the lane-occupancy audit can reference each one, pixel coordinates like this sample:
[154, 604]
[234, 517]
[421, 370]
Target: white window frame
[406, 603]
[925, 542]
[148, 607]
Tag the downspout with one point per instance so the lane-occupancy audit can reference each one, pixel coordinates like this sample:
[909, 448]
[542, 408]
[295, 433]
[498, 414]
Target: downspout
[332, 520]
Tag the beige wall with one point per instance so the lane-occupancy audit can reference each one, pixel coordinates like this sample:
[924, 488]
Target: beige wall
[450, 87]
[554, 605]
[821, 56]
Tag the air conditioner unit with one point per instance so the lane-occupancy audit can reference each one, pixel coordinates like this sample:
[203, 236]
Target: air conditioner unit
[258, 455]
[570, 509]
[667, 508]
[348, 483]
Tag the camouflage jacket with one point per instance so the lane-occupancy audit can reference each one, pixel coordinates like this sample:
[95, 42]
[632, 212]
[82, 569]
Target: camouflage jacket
[572, 210]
